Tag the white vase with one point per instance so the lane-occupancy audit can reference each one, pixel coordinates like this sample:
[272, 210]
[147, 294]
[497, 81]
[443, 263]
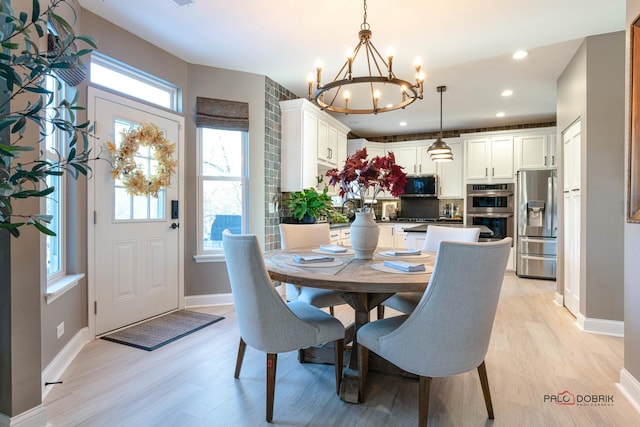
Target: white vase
[364, 235]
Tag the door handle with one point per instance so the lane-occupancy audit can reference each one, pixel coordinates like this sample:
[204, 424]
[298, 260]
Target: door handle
[174, 226]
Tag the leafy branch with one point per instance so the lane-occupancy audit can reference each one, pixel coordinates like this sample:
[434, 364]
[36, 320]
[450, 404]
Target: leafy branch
[23, 70]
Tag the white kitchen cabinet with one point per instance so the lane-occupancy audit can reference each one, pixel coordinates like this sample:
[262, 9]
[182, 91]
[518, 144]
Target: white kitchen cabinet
[334, 234]
[345, 236]
[450, 174]
[413, 157]
[392, 236]
[415, 240]
[386, 237]
[536, 151]
[489, 159]
[328, 144]
[399, 237]
[340, 236]
[311, 142]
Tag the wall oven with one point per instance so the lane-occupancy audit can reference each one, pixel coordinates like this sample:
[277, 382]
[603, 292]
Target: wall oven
[491, 205]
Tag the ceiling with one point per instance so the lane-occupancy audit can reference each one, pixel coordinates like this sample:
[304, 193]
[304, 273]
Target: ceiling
[465, 45]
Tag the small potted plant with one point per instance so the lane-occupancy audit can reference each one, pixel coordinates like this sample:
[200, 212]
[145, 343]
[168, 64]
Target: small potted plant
[308, 205]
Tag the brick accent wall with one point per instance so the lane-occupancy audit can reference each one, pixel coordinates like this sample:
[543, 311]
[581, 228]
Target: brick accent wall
[274, 93]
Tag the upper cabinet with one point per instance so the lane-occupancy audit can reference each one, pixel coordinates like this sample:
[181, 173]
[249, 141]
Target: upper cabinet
[450, 174]
[536, 150]
[312, 143]
[489, 159]
[414, 158]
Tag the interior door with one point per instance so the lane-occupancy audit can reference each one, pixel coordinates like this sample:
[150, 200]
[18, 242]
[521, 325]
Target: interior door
[136, 255]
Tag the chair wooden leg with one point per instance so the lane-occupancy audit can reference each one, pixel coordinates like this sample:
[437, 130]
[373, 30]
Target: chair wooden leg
[484, 381]
[338, 347]
[363, 364]
[380, 311]
[241, 348]
[423, 400]
[331, 311]
[272, 359]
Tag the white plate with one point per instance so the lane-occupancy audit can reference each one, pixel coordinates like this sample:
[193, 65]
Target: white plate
[384, 268]
[320, 251]
[334, 263]
[386, 254]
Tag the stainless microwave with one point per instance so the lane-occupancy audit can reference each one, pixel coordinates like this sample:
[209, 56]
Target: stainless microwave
[421, 186]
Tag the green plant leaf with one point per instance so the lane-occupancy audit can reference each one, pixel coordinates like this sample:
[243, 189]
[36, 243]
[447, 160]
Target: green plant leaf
[90, 40]
[19, 125]
[35, 12]
[44, 230]
[44, 218]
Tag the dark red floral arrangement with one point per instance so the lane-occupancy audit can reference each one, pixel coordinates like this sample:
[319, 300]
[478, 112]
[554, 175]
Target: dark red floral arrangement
[359, 174]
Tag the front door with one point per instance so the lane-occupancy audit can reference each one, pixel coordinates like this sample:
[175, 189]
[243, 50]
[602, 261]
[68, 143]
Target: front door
[135, 255]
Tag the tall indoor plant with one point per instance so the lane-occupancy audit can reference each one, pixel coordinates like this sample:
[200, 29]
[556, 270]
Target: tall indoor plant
[25, 101]
[356, 178]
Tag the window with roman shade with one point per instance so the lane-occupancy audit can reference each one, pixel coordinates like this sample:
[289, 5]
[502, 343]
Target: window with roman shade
[222, 137]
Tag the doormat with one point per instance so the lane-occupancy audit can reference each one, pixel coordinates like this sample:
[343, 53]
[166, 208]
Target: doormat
[162, 330]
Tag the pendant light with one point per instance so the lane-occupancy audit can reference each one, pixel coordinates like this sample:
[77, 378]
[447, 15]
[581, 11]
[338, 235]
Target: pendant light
[439, 150]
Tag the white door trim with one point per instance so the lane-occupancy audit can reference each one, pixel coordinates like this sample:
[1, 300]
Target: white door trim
[97, 148]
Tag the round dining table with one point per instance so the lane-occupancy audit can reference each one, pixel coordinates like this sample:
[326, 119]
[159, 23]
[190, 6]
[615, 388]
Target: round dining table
[363, 284]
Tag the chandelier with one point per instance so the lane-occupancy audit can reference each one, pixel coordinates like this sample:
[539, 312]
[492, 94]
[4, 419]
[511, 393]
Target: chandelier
[351, 94]
[439, 150]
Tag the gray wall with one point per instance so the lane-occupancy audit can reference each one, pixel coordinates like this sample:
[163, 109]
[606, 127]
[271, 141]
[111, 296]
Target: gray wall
[631, 255]
[211, 278]
[592, 88]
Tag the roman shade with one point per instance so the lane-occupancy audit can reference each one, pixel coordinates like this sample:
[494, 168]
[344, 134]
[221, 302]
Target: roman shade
[222, 114]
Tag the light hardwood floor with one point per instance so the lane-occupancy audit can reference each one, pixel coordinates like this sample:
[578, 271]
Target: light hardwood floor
[535, 350]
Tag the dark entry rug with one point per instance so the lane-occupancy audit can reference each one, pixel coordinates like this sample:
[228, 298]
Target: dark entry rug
[162, 330]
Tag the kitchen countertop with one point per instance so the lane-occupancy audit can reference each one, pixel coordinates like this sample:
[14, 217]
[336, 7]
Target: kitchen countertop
[423, 227]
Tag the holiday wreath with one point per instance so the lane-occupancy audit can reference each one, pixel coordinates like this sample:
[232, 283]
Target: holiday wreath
[130, 173]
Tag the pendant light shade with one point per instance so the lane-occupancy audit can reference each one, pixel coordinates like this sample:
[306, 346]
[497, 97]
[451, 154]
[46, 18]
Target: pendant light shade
[439, 150]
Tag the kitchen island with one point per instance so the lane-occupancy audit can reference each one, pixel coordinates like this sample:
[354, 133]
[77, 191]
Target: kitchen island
[416, 234]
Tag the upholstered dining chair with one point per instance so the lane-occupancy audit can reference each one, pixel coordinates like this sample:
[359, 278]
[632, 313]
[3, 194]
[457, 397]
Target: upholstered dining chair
[405, 302]
[265, 321]
[448, 333]
[296, 236]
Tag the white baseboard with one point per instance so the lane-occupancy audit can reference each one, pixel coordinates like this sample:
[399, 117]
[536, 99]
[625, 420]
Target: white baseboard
[559, 300]
[630, 388]
[55, 369]
[204, 300]
[600, 326]
[34, 417]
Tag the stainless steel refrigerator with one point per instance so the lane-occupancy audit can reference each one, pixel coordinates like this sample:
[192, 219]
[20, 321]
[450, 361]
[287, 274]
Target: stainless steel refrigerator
[537, 213]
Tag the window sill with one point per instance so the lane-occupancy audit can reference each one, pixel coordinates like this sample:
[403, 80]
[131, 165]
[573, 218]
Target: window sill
[209, 258]
[60, 287]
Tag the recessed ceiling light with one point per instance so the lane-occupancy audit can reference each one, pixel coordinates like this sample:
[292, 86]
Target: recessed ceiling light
[507, 92]
[500, 114]
[403, 123]
[520, 54]
[183, 2]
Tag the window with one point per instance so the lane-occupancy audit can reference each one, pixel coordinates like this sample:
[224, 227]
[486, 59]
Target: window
[137, 208]
[222, 185]
[114, 75]
[55, 202]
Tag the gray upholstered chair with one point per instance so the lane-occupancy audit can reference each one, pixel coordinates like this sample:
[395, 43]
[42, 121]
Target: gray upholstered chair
[295, 236]
[265, 321]
[405, 302]
[448, 332]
